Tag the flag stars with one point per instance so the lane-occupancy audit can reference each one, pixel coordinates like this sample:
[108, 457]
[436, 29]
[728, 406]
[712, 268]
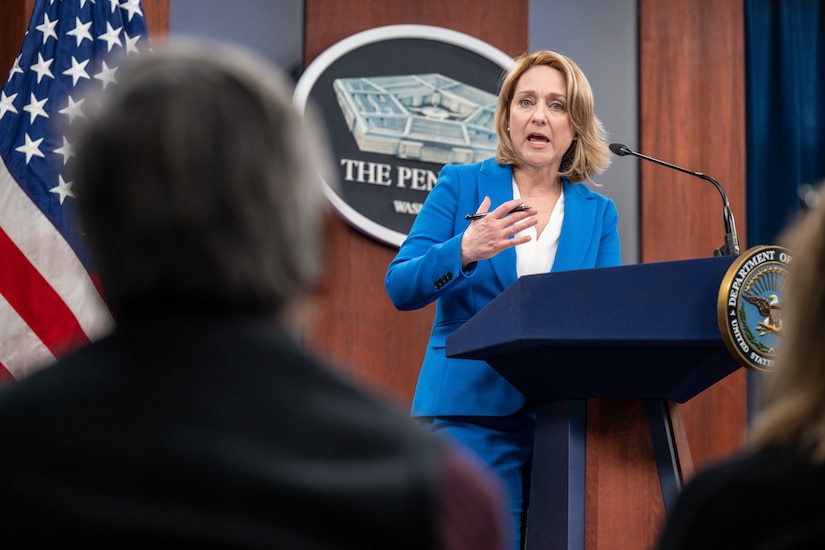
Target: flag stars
[111, 36]
[67, 151]
[131, 43]
[7, 104]
[31, 148]
[81, 31]
[132, 7]
[47, 28]
[15, 68]
[106, 75]
[42, 67]
[35, 108]
[77, 71]
[63, 189]
[73, 109]
[72, 38]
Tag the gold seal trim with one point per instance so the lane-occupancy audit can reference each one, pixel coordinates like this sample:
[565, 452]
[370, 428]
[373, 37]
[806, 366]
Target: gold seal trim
[749, 305]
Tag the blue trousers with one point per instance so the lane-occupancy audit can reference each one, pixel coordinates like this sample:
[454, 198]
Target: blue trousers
[505, 445]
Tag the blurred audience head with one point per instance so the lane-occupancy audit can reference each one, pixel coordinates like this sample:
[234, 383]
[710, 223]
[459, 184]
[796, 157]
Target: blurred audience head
[198, 185]
[793, 396]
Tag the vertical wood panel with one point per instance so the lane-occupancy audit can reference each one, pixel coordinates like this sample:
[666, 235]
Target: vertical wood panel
[356, 324]
[14, 19]
[157, 20]
[624, 503]
[501, 24]
[692, 103]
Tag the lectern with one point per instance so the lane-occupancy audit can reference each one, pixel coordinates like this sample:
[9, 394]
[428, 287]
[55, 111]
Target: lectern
[641, 332]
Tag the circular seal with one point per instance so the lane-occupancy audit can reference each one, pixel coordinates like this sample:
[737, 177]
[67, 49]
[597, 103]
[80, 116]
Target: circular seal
[749, 307]
[399, 102]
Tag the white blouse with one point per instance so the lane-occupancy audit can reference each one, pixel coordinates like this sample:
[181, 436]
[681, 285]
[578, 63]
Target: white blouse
[537, 255]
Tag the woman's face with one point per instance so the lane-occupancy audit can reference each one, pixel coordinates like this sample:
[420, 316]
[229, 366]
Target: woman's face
[540, 127]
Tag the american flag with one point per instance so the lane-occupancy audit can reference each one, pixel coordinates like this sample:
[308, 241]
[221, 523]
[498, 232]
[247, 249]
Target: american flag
[49, 302]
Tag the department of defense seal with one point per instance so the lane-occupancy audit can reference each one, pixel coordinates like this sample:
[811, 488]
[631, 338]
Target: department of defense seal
[749, 308]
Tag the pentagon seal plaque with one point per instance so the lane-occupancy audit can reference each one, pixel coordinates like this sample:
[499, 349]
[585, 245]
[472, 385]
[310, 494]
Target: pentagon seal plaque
[399, 102]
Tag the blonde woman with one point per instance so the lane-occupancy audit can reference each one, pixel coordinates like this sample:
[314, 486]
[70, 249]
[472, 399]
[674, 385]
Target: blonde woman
[550, 141]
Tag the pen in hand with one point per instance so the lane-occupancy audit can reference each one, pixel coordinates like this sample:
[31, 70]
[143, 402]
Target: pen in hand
[479, 215]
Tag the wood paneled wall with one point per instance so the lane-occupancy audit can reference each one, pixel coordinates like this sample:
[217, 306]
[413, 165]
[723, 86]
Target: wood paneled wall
[14, 20]
[692, 104]
[157, 20]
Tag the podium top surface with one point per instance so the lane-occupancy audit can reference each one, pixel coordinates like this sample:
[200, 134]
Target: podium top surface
[646, 330]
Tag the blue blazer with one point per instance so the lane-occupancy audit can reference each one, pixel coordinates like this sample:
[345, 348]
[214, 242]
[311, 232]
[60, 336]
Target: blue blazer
[428, 267]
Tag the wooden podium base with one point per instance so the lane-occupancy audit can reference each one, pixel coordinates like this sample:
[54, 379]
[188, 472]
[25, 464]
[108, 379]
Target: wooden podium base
[605, 472]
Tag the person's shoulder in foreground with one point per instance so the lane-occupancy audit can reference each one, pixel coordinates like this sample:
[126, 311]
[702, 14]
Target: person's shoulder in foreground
[251, 443]
[770, 499]
[771, 496]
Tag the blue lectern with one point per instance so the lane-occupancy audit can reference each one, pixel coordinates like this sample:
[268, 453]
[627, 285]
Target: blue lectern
[645, 331]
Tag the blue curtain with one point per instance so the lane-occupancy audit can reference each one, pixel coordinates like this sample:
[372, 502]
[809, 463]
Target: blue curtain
[785, 86]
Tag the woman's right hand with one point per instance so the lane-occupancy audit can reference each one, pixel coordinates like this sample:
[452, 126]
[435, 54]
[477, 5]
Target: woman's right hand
[488, 236]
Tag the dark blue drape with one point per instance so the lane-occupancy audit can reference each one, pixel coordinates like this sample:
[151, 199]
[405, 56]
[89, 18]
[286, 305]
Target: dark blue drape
[785, 88]
[785, 45]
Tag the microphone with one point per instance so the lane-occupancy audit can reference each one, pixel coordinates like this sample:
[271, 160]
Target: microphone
[731, 246]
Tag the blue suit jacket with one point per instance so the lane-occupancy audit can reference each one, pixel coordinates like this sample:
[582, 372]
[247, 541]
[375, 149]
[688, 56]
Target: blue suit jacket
[428, 267]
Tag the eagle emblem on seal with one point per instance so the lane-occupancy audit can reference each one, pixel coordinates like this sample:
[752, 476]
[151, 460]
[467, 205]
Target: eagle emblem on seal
[769, 308]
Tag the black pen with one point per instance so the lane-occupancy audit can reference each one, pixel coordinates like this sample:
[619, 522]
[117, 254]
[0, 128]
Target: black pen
[479, 215]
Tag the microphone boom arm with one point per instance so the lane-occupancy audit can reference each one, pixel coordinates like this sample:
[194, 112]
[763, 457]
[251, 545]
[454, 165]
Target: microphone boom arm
[731, 246]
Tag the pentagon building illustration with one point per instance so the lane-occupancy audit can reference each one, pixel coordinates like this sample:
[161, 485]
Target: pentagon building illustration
[424, 117]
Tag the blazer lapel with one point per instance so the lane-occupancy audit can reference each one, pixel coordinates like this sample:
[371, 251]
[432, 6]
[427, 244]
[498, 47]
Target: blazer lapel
[577, 227]
[496, 182]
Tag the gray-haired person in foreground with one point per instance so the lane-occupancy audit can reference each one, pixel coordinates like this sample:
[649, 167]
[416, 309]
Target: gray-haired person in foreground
[200, 420]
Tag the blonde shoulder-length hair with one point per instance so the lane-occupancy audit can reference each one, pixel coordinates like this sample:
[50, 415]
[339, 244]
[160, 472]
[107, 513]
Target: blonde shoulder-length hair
[588, 154]
[792, 406]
